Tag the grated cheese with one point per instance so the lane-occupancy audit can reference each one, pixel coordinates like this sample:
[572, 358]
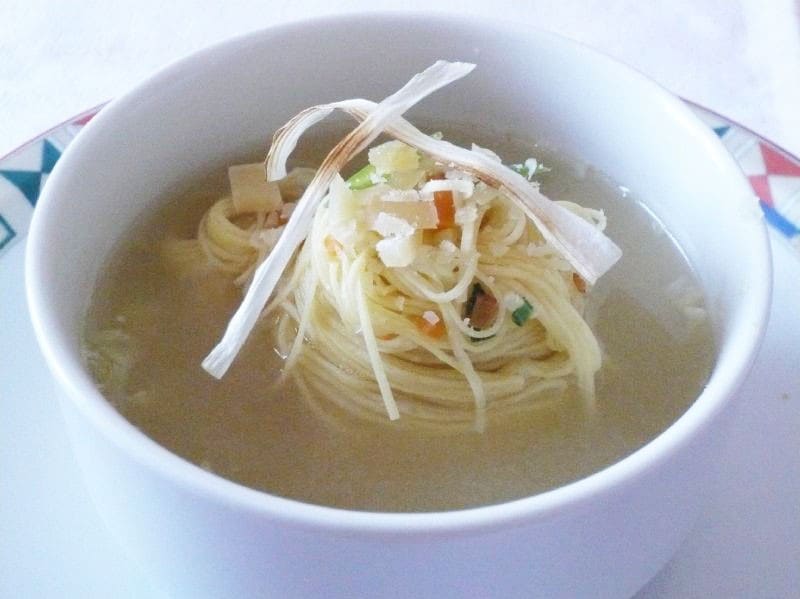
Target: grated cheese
[531, 165]
[458, 175]
[401, 195]
[430, 316]
[461, 186]
[389, 225]
[512, 301]
[466, 215]
[448, 246]
[397, 252]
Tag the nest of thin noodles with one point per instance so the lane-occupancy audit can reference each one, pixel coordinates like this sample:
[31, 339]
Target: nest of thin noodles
[438, 374]
[437, 316]
[440, 357]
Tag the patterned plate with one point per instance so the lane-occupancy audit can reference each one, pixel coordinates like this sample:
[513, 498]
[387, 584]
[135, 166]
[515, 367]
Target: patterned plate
[774, 174]
[747, 545]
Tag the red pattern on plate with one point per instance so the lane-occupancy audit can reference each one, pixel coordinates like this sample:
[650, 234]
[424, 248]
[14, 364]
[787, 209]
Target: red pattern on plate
[777, 163]
[760, 185]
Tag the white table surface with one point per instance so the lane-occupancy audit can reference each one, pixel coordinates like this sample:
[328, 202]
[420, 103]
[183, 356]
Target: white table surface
[740, 58]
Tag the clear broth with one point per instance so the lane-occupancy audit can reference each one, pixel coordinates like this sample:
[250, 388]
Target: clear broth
[251, 429]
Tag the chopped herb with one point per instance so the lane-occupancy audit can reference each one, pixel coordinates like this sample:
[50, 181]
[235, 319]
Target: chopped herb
[521, 315]
[525, 169]
[363, 178]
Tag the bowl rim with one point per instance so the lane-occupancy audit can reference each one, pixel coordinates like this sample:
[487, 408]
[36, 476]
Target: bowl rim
[66, 366]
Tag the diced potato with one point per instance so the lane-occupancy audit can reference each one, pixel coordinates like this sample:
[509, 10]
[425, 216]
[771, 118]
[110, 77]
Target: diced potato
[406, 179]
[251, 191]
[344, 205]
[295, 183]
[393, 156]
[419, 214]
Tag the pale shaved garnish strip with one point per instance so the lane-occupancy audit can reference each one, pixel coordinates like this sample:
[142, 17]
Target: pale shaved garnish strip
[267, 275]
[590, 252]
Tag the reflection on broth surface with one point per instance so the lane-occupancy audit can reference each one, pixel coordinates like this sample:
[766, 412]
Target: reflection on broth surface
[254, 428]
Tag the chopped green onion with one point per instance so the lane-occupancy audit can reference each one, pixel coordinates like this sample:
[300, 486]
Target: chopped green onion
[363, 178]
[525, 171]
[520, 168]
[523, 313]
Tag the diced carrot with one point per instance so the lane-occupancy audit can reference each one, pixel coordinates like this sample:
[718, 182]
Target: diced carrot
[387, 337]
[435, 330]
[331, 245]
[579, 283]
[445, 208]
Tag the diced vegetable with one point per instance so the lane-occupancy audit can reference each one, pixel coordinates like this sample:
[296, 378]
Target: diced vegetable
[398, 252]
[389, 225]
[363, 178]
[529, 169]
[250, 190]
[394, 156]
[481, 308]
[522, 314]
[432, 327]
[419, 214]
[294, 184]
[445, 209]
[520, 168]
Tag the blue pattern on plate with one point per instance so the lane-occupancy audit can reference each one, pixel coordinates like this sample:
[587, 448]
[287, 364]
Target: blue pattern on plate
[7, 234]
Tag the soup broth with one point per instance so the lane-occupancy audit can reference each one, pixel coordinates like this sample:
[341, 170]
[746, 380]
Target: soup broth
[253, 428]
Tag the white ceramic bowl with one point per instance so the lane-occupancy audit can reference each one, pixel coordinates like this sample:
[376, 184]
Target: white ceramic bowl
[200, 535]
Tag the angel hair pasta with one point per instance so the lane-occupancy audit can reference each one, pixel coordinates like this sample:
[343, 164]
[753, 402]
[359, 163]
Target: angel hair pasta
[436, 278]
[420, 291]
